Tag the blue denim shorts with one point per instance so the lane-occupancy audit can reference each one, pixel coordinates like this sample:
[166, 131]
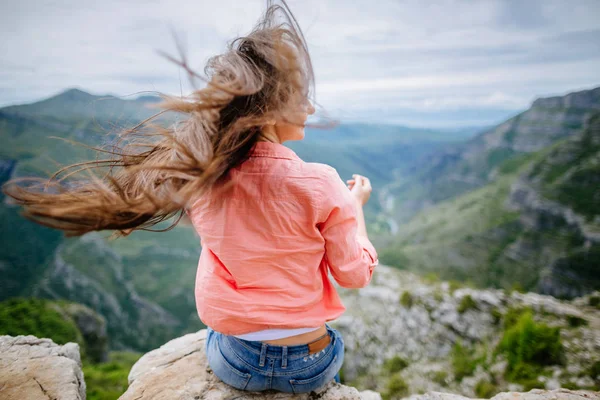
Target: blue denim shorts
[257, 366]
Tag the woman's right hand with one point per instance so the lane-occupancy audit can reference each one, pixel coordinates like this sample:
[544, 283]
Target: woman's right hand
[360, 187]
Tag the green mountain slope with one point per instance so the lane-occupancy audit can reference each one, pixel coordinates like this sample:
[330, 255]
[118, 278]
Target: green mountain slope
[463, 167]
[536, 226]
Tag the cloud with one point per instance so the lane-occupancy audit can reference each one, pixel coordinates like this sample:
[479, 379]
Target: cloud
[414, 62]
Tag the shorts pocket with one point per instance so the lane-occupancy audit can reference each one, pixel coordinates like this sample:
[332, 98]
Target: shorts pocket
[315, 382]
[229, 373]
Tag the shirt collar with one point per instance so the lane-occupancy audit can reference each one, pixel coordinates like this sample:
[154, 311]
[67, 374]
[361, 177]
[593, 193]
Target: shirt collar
[273, 150]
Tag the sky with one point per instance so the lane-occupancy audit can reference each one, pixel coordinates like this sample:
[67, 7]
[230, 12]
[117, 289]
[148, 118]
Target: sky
[443, 64]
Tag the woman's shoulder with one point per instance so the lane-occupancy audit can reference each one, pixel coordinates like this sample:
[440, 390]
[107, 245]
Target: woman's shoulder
[320, 170]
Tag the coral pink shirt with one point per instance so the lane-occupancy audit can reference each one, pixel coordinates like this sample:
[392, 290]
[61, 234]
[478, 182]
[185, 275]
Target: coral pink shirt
[269, 244]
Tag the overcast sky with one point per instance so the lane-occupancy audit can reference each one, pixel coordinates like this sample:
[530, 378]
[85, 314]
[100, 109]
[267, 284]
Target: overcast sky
[421, 63]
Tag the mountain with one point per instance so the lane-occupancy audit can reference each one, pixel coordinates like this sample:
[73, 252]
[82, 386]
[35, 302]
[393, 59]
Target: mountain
[532, 221]
[457, 169]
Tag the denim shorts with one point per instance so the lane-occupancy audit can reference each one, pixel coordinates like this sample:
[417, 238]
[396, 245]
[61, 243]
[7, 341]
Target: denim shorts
[257, 366]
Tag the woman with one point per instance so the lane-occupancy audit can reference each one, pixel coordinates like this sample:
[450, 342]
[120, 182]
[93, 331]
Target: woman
[272, 227]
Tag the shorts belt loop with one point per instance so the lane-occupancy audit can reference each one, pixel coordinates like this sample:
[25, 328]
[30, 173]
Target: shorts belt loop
[284, 357]
[263, 354]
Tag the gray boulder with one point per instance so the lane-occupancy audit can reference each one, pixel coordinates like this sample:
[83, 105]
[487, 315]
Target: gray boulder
[32, 369]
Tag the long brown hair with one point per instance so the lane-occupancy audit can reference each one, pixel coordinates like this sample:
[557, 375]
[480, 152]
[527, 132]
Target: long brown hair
[152, 173]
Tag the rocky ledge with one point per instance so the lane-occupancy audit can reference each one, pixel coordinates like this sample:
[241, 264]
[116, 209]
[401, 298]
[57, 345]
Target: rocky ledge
[39, 369]
[536, 394]
[32, 368]
[178, 371]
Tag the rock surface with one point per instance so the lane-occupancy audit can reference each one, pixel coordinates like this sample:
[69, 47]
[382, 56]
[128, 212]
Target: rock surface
[178, 370]
[536, 394]
[32, 368]
[378, 326]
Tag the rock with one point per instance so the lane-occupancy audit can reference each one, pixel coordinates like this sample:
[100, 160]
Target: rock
[536, 394]
[178, 370]
[32, 368]
[369, 395]
[559, 394]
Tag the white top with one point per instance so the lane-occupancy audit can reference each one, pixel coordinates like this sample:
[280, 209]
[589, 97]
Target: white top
[273, 334]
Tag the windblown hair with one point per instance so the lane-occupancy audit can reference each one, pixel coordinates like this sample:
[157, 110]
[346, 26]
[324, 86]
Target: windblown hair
[153, 173]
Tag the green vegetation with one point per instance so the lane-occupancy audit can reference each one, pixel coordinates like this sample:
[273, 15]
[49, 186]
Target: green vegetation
[496, 315]
[407, 299]
[108, 381]
[575, 321]
[440, 377]
[529, 347]
[396, 388]
[485, 389]
[37, 317]
[594, 371]
[56, 320]
[512, 315]
[475, 225]
[393, 257]
[463, 361]
[395, 364]
[594, 301]
[466, 303]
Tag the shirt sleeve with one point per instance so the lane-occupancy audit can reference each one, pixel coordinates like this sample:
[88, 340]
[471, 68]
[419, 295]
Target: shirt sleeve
[351, 257]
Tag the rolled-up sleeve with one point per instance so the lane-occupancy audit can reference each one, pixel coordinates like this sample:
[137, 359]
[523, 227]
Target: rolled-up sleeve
[351, 257]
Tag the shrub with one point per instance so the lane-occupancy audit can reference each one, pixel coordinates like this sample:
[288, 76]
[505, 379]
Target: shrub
[453, 285]
[431, 277]
[485, 389]
[513, 314]
[594, 301]
[396, 388]
[395, 364]
[108, 381]
[529, 346]
[466, 303]
[496, 315]
[440, 377]
[20, 316]
[463, 361]
[407, 299]
[575, 321]
[594, 370]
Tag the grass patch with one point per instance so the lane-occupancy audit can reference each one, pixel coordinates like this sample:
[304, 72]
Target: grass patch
[395, 364]
[529, 347]
[485, 389]
[396, 388]
[463, 361]
[440, 377]
[407, 299]
[466, 303]
[108, 381]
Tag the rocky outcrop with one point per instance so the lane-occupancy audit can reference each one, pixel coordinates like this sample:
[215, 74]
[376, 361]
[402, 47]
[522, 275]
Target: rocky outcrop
[461, 168]
[400, 315]
[178, 370]
[560, 394]
[39, 369]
